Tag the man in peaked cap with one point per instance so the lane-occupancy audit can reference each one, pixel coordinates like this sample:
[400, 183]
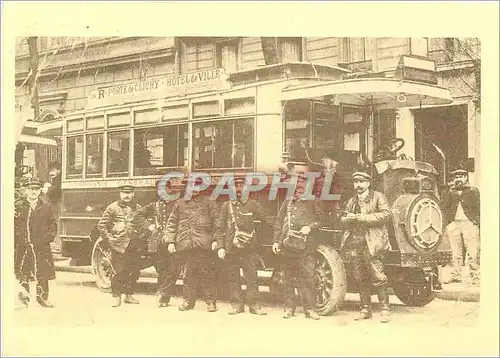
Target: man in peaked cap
[122, 226]
[167, 267]
[461, 209]
[35, 228]
[294, 234]
[237, 245]
[190, 233]
[366, 241]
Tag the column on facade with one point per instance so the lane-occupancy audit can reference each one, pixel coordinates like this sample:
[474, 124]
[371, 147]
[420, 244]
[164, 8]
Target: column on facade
[269, 128]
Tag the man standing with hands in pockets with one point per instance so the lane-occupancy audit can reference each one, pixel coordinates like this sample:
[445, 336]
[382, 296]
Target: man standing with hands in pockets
[190, 232]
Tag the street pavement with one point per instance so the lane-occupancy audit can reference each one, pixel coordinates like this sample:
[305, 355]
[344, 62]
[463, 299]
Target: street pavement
[145, 329]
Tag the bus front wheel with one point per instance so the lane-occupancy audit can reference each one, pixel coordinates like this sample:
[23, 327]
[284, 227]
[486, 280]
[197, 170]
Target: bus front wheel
[101, 265]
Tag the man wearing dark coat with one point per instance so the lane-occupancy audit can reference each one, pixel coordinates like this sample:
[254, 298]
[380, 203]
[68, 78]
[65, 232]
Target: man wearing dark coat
[123, 227]
[237, 244]
[295, 230]
[190, 233]
[461, 209]
[366, 240]
[167, 267]
[34, 229]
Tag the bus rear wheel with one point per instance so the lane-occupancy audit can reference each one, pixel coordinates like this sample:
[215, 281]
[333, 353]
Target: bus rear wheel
[101, 265]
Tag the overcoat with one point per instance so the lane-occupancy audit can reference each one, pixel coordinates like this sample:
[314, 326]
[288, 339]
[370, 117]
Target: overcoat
[121, 223]
[38, 227]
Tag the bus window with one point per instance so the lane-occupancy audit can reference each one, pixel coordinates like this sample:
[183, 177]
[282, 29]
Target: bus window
[159, 148]
[327, 130]
[95, 151]
[74, 159]
[225, 144]
[118, 155]
[297, 127]
[354, 145]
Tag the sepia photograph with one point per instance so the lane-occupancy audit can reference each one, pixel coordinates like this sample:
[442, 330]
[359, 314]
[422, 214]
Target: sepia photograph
[247, 184]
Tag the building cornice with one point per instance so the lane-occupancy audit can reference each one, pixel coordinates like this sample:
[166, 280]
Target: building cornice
[92, 64]
[453, 66]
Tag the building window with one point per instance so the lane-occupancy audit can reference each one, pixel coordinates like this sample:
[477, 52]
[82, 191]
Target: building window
[118, 153]
[441, 50]
[227, 55]
[74, 159]
[156, 149]
[95, 151]
[352, 49]
[195, 54]
[53, 42]
[291, 49]
[225, 144]
[419, 46]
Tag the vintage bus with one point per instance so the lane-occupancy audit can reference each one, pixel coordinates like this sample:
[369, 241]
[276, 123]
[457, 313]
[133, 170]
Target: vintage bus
[279, 117]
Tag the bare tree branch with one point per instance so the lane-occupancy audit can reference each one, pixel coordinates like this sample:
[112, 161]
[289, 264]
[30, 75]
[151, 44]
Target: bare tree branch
[33, 81]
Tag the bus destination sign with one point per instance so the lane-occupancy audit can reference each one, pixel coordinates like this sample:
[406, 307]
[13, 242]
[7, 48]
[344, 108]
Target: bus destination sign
[161, 87]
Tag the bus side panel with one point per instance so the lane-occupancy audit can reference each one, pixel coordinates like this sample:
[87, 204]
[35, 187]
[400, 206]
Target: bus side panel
[81, 210]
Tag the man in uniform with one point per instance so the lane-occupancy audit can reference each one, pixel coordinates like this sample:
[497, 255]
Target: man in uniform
[237, 245]
[298, 220]
[366, 240]
[461, 208]
[123, 226]
[35, 228]
[167, 267]
[190, 232]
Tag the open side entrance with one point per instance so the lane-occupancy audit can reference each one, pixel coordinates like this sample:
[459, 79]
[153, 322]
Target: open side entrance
[446, 128]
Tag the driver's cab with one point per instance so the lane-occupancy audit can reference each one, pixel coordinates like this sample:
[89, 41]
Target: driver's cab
[333, 136]
[324, 129]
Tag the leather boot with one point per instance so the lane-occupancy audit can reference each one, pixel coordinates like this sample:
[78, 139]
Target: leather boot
[186, 306]
[312, 314]
[162, 301]
[44, 303]
[237, 309]
[23, 298]
[211, 307]
[288, 313]
[131, 300]
[117, 301]
[383, 298]
[257, 310]
[366, 304]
